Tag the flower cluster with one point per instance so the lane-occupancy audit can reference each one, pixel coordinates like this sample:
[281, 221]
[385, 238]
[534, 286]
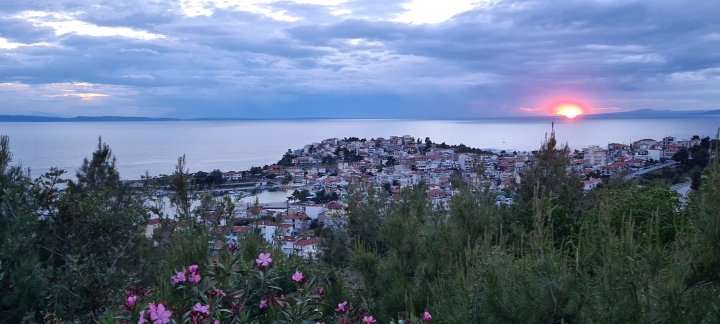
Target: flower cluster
[155, 314]
[217, 292]
[264, 304]
[261, 297]
[131, 301]
[132, 295]
[345, 310]
[264, 261]
[298, 277]
[342, 308]
[426, 317]
[191, 274]
[200, 312]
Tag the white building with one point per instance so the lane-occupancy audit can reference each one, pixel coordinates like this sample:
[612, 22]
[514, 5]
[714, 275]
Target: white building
[595, 155]
[650, 154]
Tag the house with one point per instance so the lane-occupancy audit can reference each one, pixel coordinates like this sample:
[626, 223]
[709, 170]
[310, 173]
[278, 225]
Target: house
[614, 168]
[667, 141]
[306, 248]
[334, 205]
[288, 245]
[276, 169]
[595, 155]
[644, 144]
[649, 154]
[151, 226]
[670, 151]
[236, 232]
[437, 196]
[232, 176]
[268, 230]
[297, 220]
[591, 184]
[313, 211]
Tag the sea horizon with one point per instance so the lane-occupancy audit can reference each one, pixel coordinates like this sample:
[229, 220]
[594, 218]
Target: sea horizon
[154, 146]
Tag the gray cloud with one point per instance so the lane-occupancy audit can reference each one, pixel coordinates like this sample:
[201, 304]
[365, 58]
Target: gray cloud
[154, 59]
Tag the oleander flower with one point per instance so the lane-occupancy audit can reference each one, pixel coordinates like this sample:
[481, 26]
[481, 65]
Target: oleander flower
[131, 301]
[195, 277]
[200, 309]
[178, 278]
[368, 319]
[298, 277]
[264, 260]
[218, 292]
[159, 314]
[342, 307]
[193, 268]
[263, 304]
[426, 316]
[142, 319]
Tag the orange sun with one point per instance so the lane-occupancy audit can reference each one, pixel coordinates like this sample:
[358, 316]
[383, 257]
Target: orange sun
[570, 111]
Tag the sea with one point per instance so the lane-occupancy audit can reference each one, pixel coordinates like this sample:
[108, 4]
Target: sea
[154, 146]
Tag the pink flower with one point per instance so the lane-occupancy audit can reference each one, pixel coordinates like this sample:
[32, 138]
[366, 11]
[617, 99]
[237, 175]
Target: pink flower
[131, 301]
[342, 307]
[368, 319]
[200, 309]
[217, 292]
[264, 260]
[195, 277]
[142, 319]
[263, 304]
[158, 314]
[193, 268]
[178, 278]
[298, 277]
[427, 317]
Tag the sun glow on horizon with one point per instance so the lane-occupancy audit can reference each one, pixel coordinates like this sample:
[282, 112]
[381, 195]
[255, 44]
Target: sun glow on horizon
[568, 110]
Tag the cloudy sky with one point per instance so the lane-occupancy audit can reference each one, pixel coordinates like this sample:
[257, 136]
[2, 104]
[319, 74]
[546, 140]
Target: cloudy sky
[355, 58]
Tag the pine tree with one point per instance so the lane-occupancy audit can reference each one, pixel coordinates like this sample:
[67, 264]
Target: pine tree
[550, 177]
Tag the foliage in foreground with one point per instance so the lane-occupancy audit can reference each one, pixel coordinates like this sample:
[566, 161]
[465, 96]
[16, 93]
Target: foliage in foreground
[75, 252]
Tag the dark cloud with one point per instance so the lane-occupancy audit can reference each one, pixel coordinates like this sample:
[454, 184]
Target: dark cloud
[23, 32]
[295, 59]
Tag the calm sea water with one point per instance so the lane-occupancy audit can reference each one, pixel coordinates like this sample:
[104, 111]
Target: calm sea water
[237, 145]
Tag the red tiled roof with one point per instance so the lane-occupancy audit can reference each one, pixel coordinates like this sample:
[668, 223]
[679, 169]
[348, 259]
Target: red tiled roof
[306, 242]
[266, 223]
[334, 205]
[241, 229]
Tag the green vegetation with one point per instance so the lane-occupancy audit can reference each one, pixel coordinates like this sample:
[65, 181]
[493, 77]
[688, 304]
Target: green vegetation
[75, 251]
[691, 163]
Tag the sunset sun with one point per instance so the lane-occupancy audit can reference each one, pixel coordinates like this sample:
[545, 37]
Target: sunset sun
[570, 111]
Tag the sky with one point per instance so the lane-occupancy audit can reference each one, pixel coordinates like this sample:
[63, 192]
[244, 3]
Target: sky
[355, 58]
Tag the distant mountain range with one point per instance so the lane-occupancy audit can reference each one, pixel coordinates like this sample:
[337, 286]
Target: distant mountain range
[640, 113]
[655, 113]
[28, 118]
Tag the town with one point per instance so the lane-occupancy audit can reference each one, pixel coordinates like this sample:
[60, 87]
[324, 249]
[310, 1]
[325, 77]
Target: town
[319, 175]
